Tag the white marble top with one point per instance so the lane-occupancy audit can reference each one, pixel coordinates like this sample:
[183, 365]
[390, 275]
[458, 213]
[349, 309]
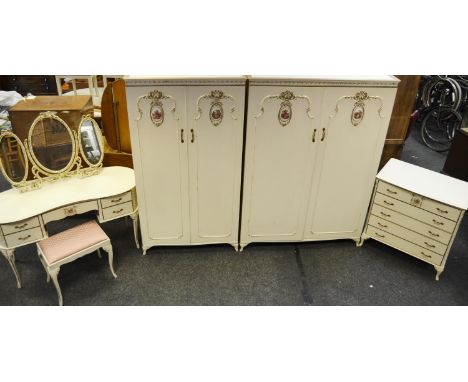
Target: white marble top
[16, 206]
[430, 184]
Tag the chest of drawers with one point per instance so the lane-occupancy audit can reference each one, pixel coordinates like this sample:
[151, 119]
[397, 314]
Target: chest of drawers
[416, 211]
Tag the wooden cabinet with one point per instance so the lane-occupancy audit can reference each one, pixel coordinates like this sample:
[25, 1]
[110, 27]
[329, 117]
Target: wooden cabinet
[417, 211]
[186, 137]
[312, 150]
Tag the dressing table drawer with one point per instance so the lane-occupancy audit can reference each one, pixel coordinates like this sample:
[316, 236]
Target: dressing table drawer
[20, 226]
[24, 237]
[116, 211]
[117, 199]
[71, 210]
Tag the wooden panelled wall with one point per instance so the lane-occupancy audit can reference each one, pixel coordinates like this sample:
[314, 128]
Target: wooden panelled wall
[401, 117]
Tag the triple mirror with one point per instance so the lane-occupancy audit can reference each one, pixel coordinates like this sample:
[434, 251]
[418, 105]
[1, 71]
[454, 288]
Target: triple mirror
[52, 151]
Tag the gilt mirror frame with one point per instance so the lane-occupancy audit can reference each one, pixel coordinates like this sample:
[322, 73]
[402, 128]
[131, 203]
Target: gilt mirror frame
[39, 168]
[8, 134]
[93, 168]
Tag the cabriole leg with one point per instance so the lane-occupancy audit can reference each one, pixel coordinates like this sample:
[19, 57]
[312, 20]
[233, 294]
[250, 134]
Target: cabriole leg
[54, 275]
[110, 254]
[10, 257]
[439, 271]
[135, 228]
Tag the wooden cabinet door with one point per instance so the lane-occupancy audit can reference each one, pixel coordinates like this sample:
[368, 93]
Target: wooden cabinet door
[279, 160]
[215, 135]
[159, 141]
[354, 128]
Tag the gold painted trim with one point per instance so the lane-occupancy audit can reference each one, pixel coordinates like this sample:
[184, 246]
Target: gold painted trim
[360, 98]
[97, 130]
[286, 96]
[36, 164]
[216, 96]
[155, 97]
[9, 134]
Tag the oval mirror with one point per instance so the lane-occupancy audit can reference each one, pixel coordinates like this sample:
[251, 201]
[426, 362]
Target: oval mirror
[13, 160]
[51, 143]
[90, 142]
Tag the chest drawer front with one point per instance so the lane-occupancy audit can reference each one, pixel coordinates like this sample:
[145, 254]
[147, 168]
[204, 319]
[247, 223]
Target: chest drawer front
[403, 245]
[411, 236]
[116, 211]
[441, 209]
[117, 199]
[394, 192]
[20, 226]
[412, 224]
[414, 212]
[24, 237]
[73, 209]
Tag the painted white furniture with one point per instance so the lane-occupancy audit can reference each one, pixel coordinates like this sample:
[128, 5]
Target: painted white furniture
[186, 136]
[23, 216]
[416, 211]
[69, 245]
[312, 150]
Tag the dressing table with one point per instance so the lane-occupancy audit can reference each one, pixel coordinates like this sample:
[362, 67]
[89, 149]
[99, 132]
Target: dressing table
[46, 189]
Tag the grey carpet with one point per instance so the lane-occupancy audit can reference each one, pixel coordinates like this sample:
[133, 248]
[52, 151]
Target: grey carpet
[317, 273]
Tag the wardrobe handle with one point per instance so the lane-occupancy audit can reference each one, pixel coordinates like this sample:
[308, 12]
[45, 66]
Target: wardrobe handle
[181, 135]
[313, 135]
[193, 136]
[323, 135]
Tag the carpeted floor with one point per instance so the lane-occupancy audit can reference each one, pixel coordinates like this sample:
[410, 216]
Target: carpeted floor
[317, 273]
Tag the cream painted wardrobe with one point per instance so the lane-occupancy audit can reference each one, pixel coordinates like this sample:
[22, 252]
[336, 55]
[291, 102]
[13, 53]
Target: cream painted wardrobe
[312, 150]
[187, 136]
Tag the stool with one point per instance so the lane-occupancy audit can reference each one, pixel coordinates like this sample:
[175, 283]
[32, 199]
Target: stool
[70, 245]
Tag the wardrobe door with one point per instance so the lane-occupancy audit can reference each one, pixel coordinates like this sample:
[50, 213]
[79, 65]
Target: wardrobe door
[279, 161]
[215, 119]
[354, 126]
[159, 142]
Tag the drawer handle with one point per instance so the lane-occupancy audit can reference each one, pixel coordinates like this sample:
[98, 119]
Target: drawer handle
[436, 222]
[422, 253]
[24, 238]
[434, 234]
[429, 245]
[442, 211]
[379, 235]
[21, 226]
[193, 136]
[384, 214]
[313, 135]
[118, 211]
[389, 203]
[181, 135]
[392, 192]
[116, 200]
[323, 135]
[382, 225]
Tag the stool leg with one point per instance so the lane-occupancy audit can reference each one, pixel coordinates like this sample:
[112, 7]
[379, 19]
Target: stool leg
[43, 264]
[10, 256]
[108, 249]
[54, 274]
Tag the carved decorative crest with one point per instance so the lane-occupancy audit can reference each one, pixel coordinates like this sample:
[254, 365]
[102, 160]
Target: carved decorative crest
[285, 109]
[216, 108]
[156, 106]
[358, 111]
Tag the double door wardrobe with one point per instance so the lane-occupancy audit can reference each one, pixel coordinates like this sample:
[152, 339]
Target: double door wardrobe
[240, 160]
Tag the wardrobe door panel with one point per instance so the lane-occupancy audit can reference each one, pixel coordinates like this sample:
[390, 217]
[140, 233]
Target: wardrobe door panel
[279, 160]
[215, 118]
[355, 123]
[160, 160]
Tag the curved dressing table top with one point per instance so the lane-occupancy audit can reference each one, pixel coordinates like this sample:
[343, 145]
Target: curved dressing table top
[16, 206]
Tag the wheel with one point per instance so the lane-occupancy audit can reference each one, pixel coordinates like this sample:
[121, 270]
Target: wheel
[438, 128]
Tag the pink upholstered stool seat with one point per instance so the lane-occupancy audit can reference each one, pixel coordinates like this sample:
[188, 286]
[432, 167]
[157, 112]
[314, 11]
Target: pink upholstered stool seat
[70, 245]
[66, 243]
